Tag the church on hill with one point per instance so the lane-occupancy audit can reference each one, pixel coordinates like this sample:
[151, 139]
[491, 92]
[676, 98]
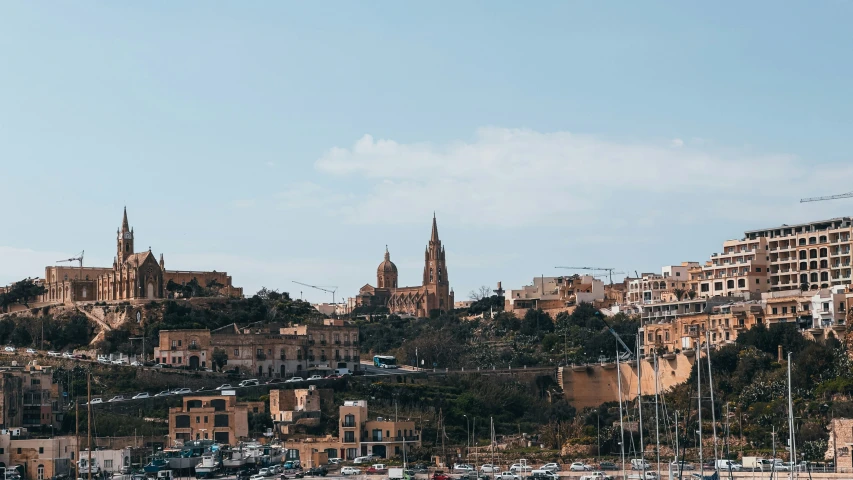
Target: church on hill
[433, 294]
[133, 276]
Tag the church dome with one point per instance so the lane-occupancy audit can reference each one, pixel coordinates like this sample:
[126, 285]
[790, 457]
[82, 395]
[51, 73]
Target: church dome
[387, 266]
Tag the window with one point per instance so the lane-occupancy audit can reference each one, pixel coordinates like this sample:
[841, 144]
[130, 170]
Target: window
[718, 286]
[2, 451]
[775, 311]
[35, 381]
[220, 420]
[40, 472]
[813, 264]
[804, 266]
[825, 306]
[377, 435]
[41, 449]
[236, 352]
[179, 342]
[730, 284]
[727, 338]
[174, 343]
[108, 464]
[205, 419]
[784, 311]
[758, 269]
[19, 451]
[197, 419]
[349, 420]
[757, 280]
[704, 288]
[349, 437]
[741, 283]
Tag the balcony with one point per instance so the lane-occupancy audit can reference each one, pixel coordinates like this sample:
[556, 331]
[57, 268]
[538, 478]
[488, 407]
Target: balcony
[322, 342]
[261, 356]
[337, 359]
[347, 358]
[193, 346]
[346, 424]
[310, 358]
[337, 342]
[282, 357]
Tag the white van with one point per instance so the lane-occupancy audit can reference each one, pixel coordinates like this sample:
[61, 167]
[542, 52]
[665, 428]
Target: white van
[728, 465]
[639, 464]
[361, 460]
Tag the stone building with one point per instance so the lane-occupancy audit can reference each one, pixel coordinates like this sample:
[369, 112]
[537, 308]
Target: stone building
[133, 276]
[266, 350]
[292, 410]
[358, 436]
[38, 458]
[31, 398]
[434, 293]
[219, 418]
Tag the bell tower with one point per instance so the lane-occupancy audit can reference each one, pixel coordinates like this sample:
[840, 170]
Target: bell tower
[435, 270]
[124, 242]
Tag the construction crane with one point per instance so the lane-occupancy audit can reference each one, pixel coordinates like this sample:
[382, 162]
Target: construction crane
[627, 354]
[610, 271]
[78, 258]
[323, 288]
[830, 197]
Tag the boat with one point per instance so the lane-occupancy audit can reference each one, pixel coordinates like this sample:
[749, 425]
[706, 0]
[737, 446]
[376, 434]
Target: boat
[210, 464]
[234, 459]
[157, 464]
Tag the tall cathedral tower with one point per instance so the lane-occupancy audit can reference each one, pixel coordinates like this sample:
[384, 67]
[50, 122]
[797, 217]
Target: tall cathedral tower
[435, 273]
[124, 242]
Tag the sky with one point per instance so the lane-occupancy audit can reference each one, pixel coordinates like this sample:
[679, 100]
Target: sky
[293, 141]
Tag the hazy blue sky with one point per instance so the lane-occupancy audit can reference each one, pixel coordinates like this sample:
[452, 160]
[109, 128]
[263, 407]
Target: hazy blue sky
[287, 141]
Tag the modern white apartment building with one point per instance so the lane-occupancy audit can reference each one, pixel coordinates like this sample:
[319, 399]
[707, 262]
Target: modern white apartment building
[808, 256]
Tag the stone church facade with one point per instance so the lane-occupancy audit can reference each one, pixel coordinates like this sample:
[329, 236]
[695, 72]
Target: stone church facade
[433, 294]
[133, 276]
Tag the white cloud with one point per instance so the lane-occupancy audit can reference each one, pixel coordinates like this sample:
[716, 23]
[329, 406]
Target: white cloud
[512, 177]
[677, 143]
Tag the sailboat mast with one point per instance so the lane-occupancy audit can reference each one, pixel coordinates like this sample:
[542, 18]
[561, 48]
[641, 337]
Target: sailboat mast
[89, 429]
[657, 418]
[621, 415]
[791, 422]
[77, 434]
[711, 387]
[699, 400]
[640, 405]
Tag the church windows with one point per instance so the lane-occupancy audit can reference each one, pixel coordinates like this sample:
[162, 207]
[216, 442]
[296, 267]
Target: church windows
[430, 275]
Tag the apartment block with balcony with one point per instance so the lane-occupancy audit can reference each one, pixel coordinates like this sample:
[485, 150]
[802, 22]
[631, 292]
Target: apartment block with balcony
[359, 435]
[652, 288]
[743, 267]
[554, 294]
[809, 256]
[31, 398]
[720, 326]
[219, 418]
[663, 312]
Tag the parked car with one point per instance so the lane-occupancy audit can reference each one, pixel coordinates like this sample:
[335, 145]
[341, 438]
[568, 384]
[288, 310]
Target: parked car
[488, 468]
[350, 471]
[640, 464]
[53, 354]
[141, 395]
[95, 401]
[265, 472]
[439, 475]
[518, 467]
[257, 477]
[120, 361]
[335, 461]
[676, 465]
[551, 467]
[377, 469]
[596, 475]
[649, 475]
[31, 351]
[462, 467]
[67, 355]
[549, 475]
[317, 472]
[117, 398]
[249, 383]
[579, 467]
[135, 363]
[10, 348]
[607, 466]
[360, 460]
[224, 386]
[164, 393]
[181, 391]
[294, 379]
[315, 377]
[507, 476]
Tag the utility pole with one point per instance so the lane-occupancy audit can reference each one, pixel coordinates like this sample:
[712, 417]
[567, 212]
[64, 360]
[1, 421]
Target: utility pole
[89, 429]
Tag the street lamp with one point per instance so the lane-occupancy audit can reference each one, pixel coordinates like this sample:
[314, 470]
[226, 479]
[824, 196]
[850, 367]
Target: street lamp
[467, 438]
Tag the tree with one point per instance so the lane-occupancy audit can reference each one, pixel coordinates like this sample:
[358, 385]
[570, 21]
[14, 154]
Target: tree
[480, 293]
[679, 293]
[21, 292]
[219, 358]
[691, 294]
[213, 286]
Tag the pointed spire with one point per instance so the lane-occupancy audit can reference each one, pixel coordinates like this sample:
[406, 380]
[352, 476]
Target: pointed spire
[387, 255]
[434, 236]
[124, 226]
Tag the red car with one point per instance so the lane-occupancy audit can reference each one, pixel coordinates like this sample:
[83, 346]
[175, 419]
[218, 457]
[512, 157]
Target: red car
[376, 471]
[440, 476]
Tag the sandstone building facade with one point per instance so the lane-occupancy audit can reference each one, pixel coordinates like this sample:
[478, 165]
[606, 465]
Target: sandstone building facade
[133, 276]
[433, 294]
